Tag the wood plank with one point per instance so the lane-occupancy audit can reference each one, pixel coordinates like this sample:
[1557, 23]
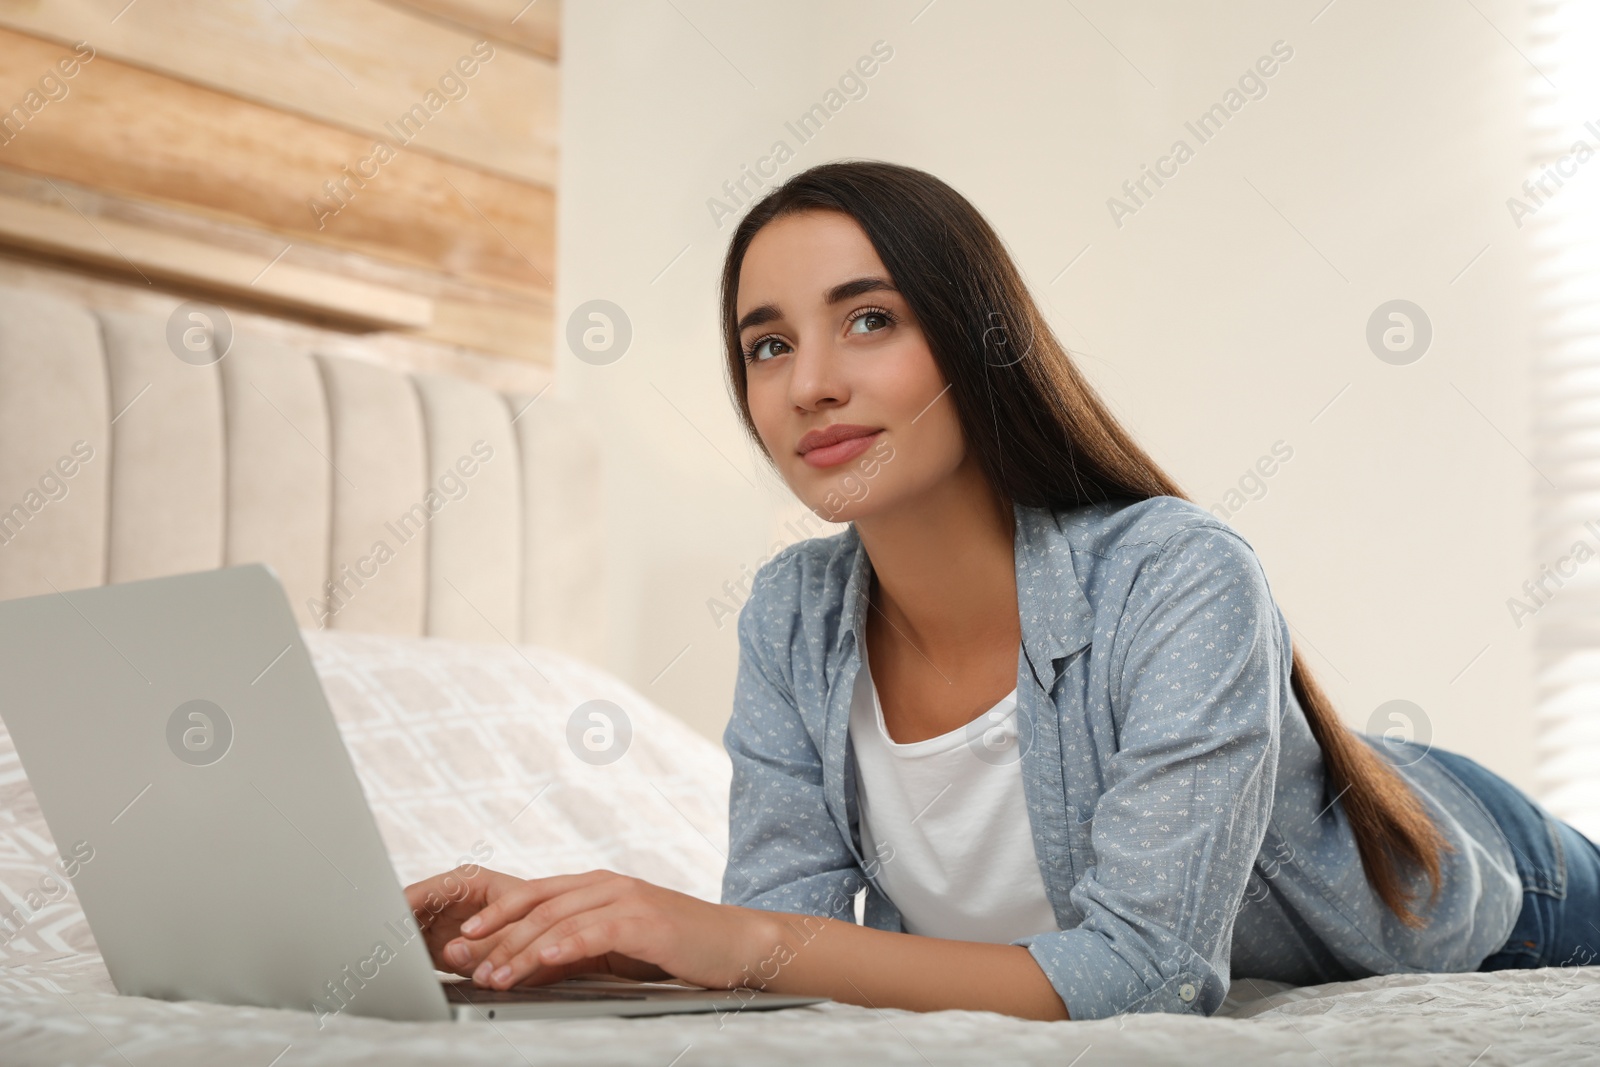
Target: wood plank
[118, 245]
[520, 331]
[356, 64]
[143, 135]
[489, 319]
[400, 351]
[535, 25]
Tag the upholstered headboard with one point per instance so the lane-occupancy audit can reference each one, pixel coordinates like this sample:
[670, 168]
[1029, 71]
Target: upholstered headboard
[387, 502]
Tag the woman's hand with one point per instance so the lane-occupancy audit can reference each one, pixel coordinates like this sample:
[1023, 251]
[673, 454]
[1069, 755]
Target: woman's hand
[505, 931]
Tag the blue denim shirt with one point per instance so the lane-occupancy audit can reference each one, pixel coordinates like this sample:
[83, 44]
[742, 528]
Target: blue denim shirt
[1177, 799]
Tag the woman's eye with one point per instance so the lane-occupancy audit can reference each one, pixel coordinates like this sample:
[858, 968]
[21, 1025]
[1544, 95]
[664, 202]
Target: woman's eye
[878, 316]
[753, 353]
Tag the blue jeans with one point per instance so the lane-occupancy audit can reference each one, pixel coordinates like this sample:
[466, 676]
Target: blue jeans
[1560, 868]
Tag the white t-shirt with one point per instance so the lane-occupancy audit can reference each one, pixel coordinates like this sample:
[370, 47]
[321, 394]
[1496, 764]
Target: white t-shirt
[953, 812]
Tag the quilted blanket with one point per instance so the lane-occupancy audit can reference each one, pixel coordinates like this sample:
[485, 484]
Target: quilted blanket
[460, 744]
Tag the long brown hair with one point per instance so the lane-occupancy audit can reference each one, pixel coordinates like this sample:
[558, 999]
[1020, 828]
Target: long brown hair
[1044, 438]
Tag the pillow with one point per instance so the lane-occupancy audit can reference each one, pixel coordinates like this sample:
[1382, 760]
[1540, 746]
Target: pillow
[522, 759]
[459, 742]
[39, 915]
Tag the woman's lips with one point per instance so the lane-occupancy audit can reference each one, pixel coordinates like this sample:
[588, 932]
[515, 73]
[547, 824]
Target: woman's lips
[833, 455]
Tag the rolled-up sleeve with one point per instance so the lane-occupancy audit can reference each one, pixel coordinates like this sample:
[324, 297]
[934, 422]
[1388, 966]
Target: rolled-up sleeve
[785, 852]
[1198, 681]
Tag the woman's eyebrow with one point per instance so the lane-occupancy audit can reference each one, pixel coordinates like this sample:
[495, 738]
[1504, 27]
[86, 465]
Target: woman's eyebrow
[758, 316]
[857, 286]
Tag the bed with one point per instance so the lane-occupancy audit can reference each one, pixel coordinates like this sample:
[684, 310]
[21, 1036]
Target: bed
[452, 680]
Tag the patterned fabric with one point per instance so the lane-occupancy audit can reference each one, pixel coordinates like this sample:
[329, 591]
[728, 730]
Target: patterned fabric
[455, 743]
[1177, 799]
[64, 1012]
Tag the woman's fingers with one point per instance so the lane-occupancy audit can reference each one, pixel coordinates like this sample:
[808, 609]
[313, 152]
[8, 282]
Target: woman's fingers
[512, 902]
[551, 928]
[452, 891]
[441, 902]
[477, 921]
[463, 955]
[587, 936]
[548, 914]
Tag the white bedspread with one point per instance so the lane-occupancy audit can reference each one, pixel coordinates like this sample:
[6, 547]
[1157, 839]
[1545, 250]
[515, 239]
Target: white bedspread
[457, 743]
[1508, 1017]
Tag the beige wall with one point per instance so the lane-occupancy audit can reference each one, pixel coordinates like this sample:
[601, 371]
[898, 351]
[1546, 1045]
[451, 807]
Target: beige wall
[1220, 318]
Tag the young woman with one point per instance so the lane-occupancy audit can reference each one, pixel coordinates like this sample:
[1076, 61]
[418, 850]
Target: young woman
[1033, 702]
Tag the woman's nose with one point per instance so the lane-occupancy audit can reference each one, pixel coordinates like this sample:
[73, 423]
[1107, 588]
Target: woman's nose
[818, 378]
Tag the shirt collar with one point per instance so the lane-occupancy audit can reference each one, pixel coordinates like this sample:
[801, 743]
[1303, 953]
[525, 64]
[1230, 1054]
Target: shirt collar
[1056, 618]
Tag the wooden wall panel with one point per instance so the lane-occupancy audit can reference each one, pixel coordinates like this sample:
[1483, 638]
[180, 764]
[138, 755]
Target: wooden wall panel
[69, 233]
[142, 134]
[358, 64]
[534, 25]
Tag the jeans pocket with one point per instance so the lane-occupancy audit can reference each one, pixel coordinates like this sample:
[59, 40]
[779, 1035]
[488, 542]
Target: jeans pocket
[1557, 881]
[1545, 871]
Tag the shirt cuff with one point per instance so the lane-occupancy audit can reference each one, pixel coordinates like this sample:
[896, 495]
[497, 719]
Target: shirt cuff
[1094, 981]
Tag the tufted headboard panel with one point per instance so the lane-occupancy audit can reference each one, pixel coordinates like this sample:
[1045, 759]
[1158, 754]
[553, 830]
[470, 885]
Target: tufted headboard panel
[387, 502]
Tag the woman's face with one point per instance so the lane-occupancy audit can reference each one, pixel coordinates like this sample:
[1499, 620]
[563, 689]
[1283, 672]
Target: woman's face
[831, 347]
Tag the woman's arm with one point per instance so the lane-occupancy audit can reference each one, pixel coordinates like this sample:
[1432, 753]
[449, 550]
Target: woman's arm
[881, 969]
[505, 932]
[1198, 682]
[785, 852]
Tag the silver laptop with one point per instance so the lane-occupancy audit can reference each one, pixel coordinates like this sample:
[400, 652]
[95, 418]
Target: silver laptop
[176, 734]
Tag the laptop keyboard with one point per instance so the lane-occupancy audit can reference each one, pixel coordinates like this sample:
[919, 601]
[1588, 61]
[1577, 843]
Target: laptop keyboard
[534, 994]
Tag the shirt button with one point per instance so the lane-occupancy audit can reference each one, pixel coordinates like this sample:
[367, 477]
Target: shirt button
[1186, 992]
